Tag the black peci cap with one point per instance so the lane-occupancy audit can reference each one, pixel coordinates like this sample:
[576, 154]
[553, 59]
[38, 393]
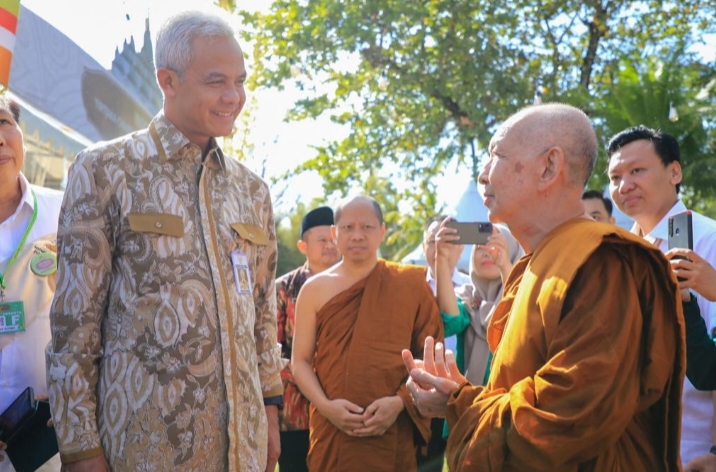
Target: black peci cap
[321, 216]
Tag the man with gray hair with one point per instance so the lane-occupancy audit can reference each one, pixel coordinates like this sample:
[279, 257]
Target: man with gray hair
[164, 353]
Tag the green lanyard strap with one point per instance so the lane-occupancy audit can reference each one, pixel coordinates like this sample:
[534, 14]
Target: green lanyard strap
[23, 240]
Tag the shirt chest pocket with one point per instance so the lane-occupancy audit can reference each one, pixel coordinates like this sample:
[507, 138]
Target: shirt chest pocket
[162, 233]
[250, 239]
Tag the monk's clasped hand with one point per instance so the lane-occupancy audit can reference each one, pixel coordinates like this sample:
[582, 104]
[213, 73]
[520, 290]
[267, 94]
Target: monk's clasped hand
[344, 415]
[381, 414]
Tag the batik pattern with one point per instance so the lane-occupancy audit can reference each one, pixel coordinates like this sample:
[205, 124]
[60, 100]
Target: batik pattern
[156, 357]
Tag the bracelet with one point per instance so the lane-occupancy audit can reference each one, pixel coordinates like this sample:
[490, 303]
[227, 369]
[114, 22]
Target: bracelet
[712, 450]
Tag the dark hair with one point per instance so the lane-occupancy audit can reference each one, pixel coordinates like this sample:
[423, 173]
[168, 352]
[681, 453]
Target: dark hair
[8, 104]
[365, 198]
[596, 194]
[665, 145]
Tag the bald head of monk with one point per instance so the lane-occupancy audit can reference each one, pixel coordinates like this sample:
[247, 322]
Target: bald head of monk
[359, 229]
[540, 160]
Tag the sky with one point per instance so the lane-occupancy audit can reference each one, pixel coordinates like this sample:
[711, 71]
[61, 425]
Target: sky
[100, 27]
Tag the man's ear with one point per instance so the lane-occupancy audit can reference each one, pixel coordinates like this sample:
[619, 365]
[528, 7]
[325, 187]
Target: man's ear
[612, 220]
[301, 245]
[675, 174]
[552, 165]
[382, 232]
[167, 80]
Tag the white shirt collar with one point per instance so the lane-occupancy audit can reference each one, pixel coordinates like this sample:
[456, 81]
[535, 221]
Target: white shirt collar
[26, 199]
[661, 230]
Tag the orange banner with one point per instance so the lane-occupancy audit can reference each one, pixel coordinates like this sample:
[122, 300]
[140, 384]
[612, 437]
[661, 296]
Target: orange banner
[5, 61]
[9, 10]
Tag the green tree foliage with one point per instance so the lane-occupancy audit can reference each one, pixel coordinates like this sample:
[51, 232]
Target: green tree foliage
[288, 232]
[648, 93]
[420, 84]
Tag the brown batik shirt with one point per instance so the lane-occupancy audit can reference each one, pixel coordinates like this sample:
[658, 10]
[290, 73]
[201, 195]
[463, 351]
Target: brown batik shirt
[160, 356]
[294, 416]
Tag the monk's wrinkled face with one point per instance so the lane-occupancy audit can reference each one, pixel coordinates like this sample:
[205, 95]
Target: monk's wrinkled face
[510, 176]
[358, 232]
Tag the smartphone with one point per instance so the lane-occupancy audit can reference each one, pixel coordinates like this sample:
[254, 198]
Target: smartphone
[16, 414]
[681, 231]
[471, 233]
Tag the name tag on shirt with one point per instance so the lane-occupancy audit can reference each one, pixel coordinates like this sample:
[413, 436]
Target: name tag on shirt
[242, 275]
[12, 317]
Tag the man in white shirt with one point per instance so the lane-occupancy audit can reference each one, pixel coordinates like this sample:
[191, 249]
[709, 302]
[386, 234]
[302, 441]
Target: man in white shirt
[645, 177]
[28, 227]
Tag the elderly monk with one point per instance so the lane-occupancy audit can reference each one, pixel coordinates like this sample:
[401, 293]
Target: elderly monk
[588, 338]
[352, 322]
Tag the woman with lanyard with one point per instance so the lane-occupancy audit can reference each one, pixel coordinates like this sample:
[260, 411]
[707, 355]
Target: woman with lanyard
[28, 262]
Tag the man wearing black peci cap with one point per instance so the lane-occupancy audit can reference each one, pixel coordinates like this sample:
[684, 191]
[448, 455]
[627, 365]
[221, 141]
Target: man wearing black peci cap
[321, 253]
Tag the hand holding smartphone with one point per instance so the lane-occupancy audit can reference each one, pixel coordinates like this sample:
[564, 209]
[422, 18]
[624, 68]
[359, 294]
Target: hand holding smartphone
[471, 232]
[681, 233]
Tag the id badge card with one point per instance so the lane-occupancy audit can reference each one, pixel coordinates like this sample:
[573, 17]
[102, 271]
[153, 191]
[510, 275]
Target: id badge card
[12, 317]
[242, 275]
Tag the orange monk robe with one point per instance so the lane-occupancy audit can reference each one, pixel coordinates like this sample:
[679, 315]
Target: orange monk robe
[360, 334]
[589, 362]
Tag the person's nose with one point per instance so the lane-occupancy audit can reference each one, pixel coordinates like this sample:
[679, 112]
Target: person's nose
[626, 185]
[482, 178]
[232, 94]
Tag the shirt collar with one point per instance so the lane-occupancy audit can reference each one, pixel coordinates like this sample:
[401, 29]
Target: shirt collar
[26, 193]
[25, 201]
[661, 230]
[172, 144]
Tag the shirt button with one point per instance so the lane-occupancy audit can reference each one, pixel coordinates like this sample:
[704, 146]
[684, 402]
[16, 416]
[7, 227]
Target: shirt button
[158, 224]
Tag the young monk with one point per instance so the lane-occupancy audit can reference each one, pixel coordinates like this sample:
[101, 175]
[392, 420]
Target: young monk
[352, 322]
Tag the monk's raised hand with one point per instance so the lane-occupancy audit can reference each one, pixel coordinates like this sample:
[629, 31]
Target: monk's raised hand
[453, 372]
[344, 415]
[412, 363]
[381, 415]
[431, 401]
[440, 366]
[429, 355]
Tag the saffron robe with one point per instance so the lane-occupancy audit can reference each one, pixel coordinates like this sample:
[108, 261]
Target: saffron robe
[589, 362]
[360, 334]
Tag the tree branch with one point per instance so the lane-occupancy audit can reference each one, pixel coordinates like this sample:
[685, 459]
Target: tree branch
[597, 28]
